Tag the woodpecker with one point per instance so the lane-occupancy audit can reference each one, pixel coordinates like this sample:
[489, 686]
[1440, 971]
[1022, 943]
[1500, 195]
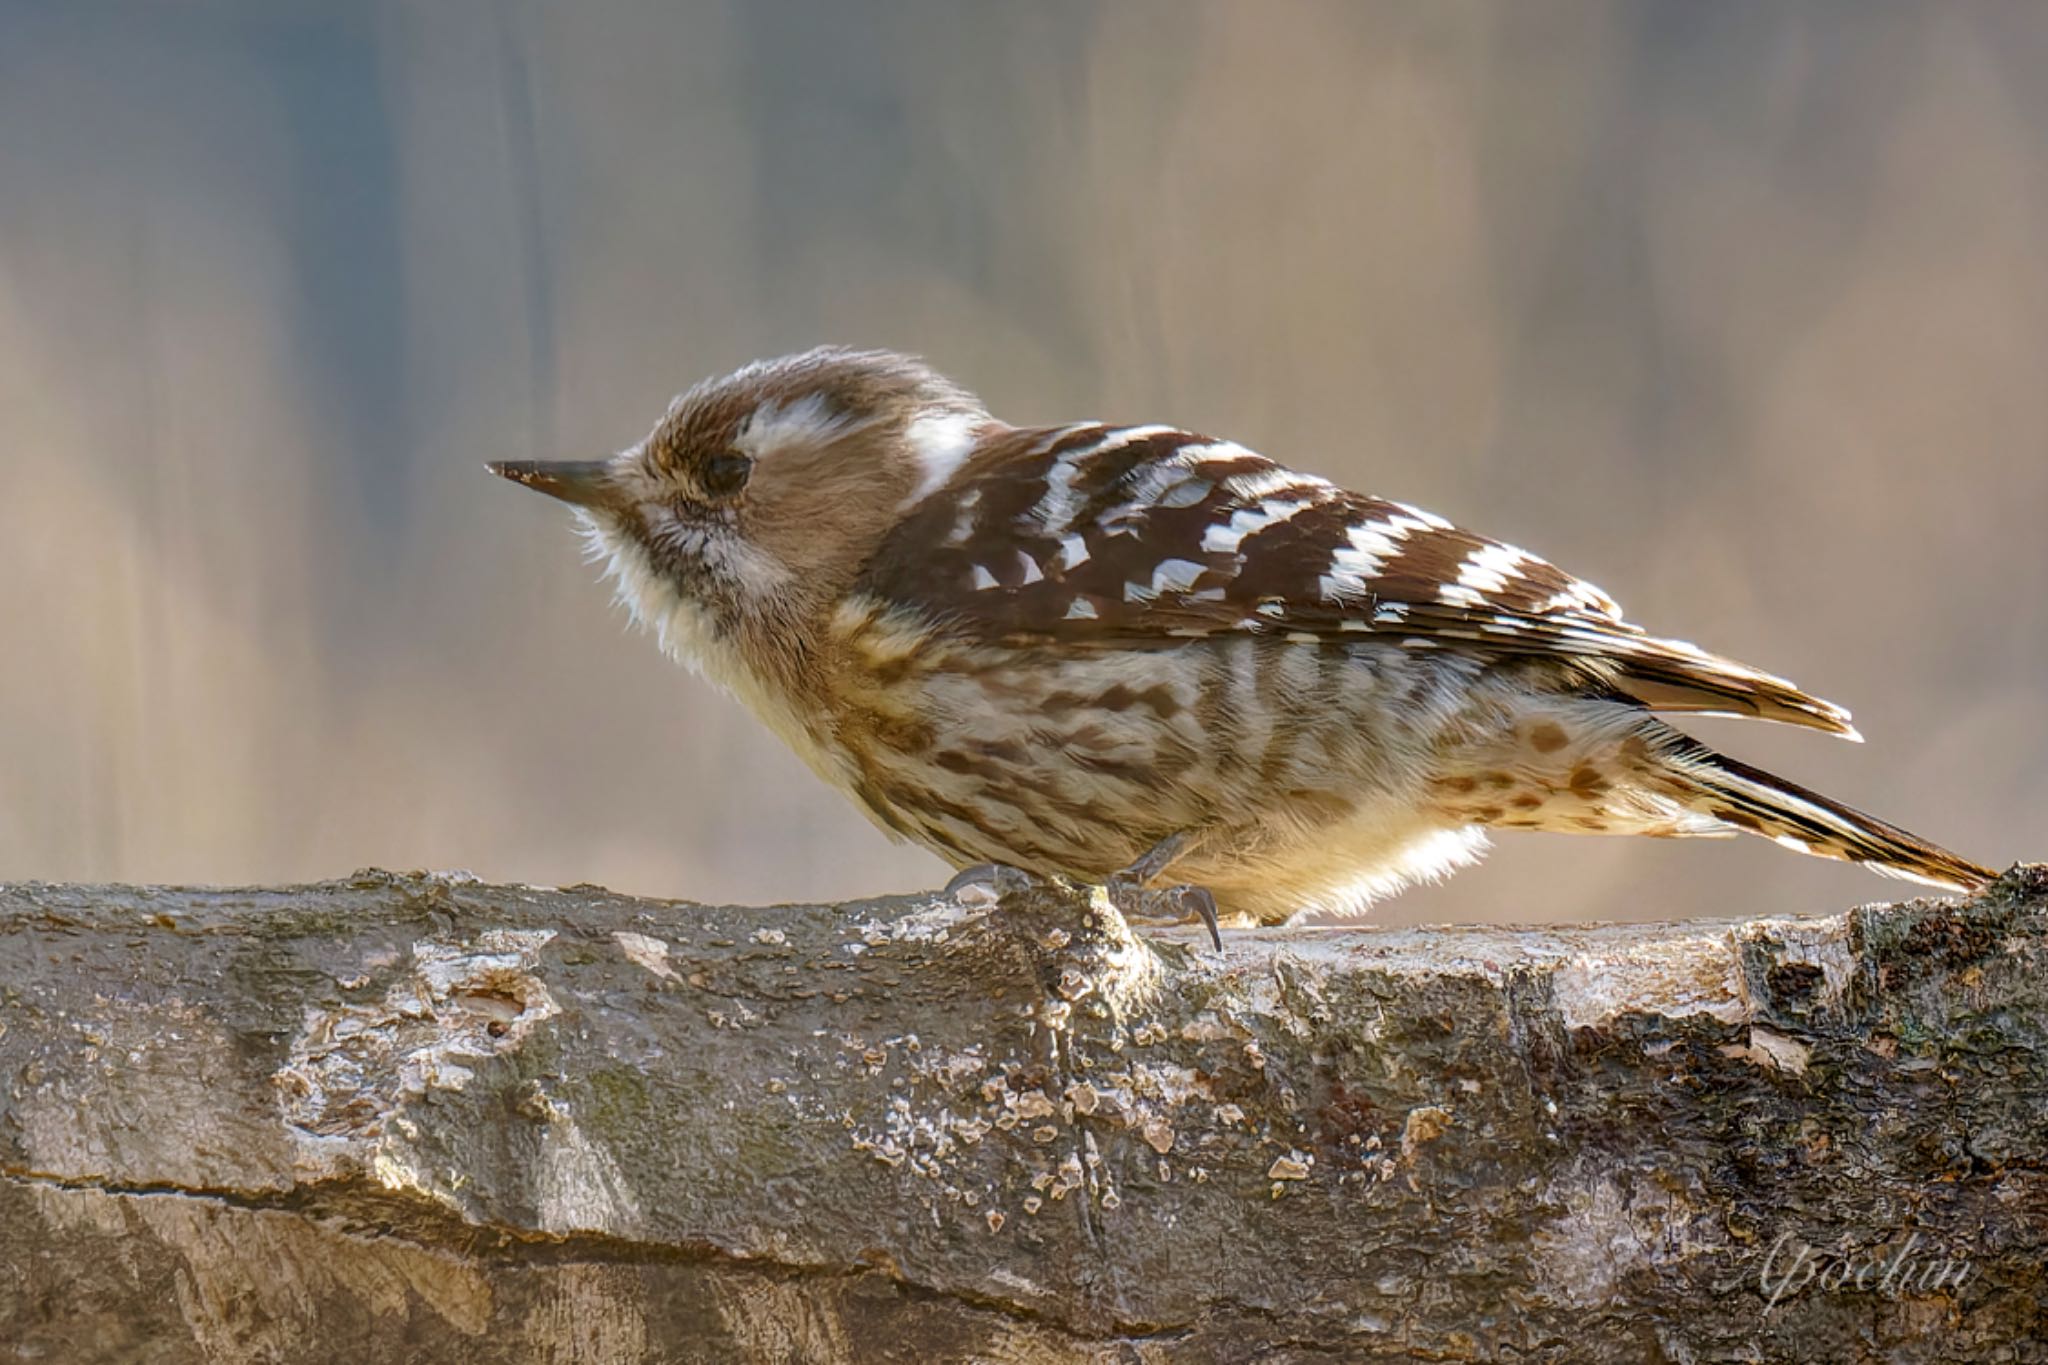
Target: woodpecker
[1156, 660]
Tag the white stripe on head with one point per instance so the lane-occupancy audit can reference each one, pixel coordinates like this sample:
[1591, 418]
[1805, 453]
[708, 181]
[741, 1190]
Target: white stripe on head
[940, 442]
[806, 421]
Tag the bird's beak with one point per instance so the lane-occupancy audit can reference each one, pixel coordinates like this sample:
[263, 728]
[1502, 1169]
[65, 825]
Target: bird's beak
[582, 483]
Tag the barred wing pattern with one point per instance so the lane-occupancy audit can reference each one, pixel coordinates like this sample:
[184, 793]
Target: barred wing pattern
[1136, 536]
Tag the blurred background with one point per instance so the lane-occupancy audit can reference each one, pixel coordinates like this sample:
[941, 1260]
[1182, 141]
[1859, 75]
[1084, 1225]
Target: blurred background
[1739, 310]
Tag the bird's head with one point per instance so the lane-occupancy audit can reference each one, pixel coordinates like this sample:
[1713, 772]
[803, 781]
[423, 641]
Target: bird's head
[763, 492]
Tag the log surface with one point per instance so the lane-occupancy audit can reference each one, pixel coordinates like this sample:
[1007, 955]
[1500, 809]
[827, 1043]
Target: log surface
[418, 1117]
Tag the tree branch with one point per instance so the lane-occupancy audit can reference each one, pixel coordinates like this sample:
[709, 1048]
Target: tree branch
[417, 1114]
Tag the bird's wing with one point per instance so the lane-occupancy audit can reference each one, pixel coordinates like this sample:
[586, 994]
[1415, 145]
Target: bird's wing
[1095, 535]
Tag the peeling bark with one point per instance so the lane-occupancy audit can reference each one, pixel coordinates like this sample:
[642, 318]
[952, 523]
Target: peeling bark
[420, 1117]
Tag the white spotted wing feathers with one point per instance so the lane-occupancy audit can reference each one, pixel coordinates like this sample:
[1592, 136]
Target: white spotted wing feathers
[1122, 536]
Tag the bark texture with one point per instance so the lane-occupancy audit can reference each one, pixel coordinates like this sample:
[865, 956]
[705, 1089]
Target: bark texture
[417, 1117]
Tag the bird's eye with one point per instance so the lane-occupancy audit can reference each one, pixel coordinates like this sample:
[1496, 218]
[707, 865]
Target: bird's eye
[726, 474]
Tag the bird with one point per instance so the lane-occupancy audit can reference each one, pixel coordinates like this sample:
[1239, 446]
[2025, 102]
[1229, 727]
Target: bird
[1139, 657]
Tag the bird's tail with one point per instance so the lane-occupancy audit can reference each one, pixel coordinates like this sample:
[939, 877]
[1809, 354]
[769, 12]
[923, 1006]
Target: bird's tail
[1758, 802]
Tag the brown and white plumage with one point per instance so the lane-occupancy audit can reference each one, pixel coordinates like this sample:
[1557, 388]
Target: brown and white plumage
[1057, 647]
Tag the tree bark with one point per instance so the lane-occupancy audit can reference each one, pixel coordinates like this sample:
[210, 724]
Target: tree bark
[416, 1116]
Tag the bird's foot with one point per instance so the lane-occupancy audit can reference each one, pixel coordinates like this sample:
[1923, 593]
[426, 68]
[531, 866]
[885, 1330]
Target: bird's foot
[1135, 900]
[1166, 905]
[987, 883]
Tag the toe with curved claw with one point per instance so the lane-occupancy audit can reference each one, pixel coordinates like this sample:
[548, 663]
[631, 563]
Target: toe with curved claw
[1165, 905]
[993, 880]
[1197, 902]
[1177, 904]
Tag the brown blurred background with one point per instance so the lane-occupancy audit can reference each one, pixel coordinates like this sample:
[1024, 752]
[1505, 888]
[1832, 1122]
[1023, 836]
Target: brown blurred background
[1740, 310]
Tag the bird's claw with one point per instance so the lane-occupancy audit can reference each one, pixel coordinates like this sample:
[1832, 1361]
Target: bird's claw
[986, 883]
[991, 881]
[1197, 902]
[1165, 905]
[1129, 892]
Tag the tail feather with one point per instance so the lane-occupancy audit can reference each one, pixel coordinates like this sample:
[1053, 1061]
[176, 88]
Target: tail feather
[1650, 680]
[1762, 803]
